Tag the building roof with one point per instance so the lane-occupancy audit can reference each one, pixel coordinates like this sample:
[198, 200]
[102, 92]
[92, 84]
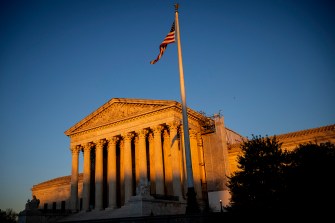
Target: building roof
[64, 180]
[307, 132]
[292, 139]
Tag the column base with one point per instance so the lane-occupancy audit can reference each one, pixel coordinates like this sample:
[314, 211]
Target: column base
[192, 204]
[98, 209]
[110, 208]
[74, 210]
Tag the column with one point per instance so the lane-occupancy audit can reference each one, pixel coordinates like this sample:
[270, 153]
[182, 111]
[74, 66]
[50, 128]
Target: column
[74, 177]
[99, 174]
[127, 162]
[137, 160]
[122, 172]
[175, 158]
[167, 162]
[152, 163]
[87, 176]
[159, 177]
[111, 172]
[201, 158]
[195, 163]
[142, 155]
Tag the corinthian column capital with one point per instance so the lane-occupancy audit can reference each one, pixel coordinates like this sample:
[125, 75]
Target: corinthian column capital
[174, 125]
[100, 143]
[193, 134]
[166, 133]
[113, 140]
[128, 136]
[142, 133]
[150, 137]
[75, 149]
[157, 129]
[88, 146]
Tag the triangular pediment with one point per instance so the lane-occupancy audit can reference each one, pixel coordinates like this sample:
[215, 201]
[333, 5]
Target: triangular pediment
[119, 109]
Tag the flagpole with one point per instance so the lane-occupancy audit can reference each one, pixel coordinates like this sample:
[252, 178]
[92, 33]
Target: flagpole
[192, 206]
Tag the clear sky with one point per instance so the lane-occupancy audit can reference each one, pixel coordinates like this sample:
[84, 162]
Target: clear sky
[267, 66]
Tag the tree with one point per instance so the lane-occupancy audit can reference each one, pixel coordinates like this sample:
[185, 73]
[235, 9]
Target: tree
[258, 185]
[310, 178]
[272, 179]
[8, 216]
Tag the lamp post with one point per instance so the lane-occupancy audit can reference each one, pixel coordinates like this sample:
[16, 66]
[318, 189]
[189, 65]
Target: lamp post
[221, 206]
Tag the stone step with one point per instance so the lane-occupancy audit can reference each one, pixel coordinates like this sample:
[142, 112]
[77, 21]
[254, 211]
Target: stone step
[137, 206]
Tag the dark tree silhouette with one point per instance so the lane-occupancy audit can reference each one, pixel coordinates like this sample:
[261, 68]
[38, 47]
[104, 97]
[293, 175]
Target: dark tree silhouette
[310, 178]
[8, 216]
[258, 185]
[270, 179]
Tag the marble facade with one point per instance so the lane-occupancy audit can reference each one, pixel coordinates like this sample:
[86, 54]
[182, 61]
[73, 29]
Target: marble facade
[127, 142]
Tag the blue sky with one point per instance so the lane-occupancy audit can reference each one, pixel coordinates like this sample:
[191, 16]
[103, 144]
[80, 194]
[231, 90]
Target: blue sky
[267, 66]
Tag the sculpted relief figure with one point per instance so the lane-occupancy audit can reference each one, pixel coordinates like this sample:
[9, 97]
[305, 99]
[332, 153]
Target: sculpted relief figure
[115, 112]
[143, 188]
[32, 204]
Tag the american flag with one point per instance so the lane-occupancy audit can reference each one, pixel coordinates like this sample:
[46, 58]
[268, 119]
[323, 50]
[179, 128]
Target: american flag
[168, 39]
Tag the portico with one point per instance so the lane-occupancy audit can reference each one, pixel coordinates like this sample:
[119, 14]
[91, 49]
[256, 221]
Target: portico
[126, 142]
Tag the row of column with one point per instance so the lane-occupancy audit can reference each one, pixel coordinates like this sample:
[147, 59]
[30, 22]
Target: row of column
[170, 171]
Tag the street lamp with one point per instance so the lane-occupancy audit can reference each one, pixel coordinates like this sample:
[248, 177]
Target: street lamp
[221, 206]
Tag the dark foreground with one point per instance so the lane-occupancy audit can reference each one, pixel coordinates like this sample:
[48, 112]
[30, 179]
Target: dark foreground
[211, 217]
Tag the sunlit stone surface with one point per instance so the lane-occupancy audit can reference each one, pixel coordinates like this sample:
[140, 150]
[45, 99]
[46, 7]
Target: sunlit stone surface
[134, 160]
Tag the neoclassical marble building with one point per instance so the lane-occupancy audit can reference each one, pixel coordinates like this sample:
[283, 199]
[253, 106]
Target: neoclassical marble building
[128, 143]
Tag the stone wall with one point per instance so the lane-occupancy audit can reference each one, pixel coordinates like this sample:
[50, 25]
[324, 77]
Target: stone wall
[53, 192]
[290, 141]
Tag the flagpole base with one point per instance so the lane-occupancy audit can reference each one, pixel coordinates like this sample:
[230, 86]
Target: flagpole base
[192, 204]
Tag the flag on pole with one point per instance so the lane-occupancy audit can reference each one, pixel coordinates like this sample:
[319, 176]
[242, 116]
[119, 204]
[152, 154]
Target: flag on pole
[168, 39]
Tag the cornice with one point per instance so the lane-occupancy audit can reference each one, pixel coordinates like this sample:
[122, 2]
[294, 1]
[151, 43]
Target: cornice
[56, 182]
[322, 133]
[307, 132]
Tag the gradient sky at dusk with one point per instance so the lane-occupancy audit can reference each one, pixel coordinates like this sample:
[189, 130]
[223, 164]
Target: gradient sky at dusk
[267, 66]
